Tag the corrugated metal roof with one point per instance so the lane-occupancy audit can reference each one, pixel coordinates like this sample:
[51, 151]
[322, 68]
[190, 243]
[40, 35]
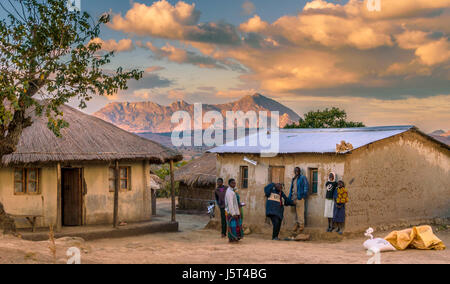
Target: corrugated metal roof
[321, 140]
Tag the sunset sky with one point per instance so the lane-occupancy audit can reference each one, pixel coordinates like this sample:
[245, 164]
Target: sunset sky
[385, 67]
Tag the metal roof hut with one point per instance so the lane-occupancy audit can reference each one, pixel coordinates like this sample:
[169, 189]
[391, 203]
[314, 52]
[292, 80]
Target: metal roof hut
[396, 175]
[197, 183]
[79, 178]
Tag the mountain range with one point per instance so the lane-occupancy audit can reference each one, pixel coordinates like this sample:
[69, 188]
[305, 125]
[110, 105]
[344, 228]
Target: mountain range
[144, 117]
[441, 135]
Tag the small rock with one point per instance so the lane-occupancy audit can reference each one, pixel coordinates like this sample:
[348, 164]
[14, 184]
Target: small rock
[302, 237]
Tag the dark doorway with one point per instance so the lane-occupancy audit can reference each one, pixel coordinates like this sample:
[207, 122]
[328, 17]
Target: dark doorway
[72, 200]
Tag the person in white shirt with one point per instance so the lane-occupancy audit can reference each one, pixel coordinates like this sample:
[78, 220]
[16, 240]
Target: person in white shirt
[233, 213]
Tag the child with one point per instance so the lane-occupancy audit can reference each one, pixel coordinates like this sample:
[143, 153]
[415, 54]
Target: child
[340, 199]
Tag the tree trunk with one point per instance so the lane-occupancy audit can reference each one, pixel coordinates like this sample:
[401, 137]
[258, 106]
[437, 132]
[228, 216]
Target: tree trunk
[172, 191]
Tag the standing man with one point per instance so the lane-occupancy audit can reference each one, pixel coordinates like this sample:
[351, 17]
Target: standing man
[220, 192]
[298, 193]
[233, 213]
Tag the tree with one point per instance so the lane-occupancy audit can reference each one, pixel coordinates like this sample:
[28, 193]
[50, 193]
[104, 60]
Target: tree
[328, 118]
[48, 55]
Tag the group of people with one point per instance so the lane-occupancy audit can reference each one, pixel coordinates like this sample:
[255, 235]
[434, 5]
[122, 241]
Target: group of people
[228, 201]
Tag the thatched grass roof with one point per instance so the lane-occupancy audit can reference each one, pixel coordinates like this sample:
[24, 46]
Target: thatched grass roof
[200, 172]
[156, 182]
[86, 139]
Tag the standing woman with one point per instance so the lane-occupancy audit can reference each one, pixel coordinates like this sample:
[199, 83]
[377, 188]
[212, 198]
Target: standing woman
[331, 186]
[233, 213]
[341, 198]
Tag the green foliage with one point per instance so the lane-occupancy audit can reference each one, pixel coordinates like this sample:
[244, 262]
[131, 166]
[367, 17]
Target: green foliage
[328, 118]
[47, 56]
[164, 173]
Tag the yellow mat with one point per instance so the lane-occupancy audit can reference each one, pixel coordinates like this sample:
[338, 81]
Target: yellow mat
[421, 237]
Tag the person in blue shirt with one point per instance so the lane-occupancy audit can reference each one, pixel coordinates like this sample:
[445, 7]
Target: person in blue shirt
[298, 193]
[276, 200]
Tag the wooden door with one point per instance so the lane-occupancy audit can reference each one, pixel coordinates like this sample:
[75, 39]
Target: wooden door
[276, 174]
[71, 197]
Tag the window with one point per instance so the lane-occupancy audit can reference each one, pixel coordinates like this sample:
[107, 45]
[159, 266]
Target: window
[244, 177]
[124, 178]
[26, 181]
[314, 180]
[276, 175]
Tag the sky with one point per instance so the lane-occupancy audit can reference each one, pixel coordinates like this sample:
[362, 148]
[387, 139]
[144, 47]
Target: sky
[387, 66]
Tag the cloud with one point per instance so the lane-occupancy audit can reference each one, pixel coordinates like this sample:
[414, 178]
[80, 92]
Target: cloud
[148, 81]
[180, 22]
[183, 56]
[112, 45]
[254, 25]
[318, 4]
[428, 114]
[327, 49]
[152, 69]
[435, 52]
[248, 8]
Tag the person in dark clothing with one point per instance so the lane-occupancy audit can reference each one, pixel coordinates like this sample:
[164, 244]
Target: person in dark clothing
[220, 192]
[331, 187]
[275, 206]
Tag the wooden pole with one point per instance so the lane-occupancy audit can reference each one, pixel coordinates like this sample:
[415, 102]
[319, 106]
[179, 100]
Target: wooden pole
[172, 191]
[116, 195]
[58, 198]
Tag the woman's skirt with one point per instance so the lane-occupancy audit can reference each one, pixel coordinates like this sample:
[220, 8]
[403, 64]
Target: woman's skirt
[329, 208]
[235, 231]
[339, 213]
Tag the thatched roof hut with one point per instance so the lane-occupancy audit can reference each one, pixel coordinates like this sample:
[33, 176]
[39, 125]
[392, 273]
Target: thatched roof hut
[86, 139]
[200, 172]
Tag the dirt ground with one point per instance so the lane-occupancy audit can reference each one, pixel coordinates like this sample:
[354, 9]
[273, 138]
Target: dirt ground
[194, 245]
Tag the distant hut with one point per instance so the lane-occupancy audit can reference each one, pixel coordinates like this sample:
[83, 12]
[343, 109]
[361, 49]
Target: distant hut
[72, 180]
[197, 183]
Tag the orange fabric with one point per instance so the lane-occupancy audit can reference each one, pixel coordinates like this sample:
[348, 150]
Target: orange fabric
[421, 237]
[342, 195]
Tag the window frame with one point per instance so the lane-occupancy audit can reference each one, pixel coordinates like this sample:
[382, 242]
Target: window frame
[128, 178]
[243, 178]
[311, 183]
[24, 181]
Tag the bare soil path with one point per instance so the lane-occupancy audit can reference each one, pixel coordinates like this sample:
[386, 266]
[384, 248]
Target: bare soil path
[194, 245]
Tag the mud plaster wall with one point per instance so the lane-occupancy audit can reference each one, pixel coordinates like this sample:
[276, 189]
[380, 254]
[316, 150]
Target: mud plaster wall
[134, 205]
[195, 198]
[43, 204]
[228, 166]
[397, 181]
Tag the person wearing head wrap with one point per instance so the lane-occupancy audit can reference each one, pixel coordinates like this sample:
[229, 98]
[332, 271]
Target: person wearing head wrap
[330, 186]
